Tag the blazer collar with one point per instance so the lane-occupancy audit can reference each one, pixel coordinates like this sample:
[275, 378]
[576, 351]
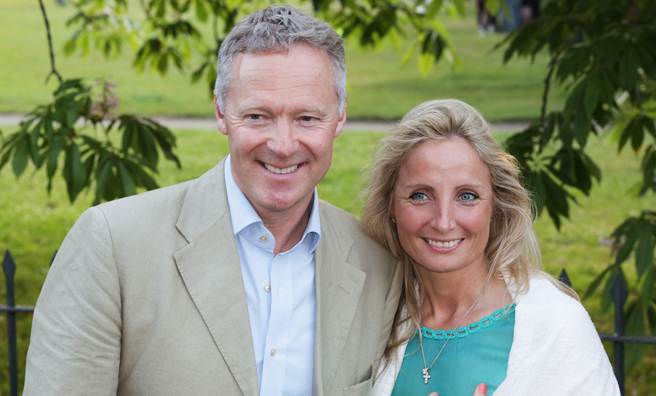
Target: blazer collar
[338, 289]
[209, 266]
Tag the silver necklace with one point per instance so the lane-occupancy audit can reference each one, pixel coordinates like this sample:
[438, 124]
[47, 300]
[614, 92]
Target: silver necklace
[426, 370]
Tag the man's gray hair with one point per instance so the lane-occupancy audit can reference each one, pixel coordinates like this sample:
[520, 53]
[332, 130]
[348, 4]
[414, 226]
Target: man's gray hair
[277, 29]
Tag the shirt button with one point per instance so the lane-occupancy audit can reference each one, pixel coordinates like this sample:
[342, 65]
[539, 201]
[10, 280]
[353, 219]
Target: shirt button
[267, 288]
[273, 352]
[263, 239]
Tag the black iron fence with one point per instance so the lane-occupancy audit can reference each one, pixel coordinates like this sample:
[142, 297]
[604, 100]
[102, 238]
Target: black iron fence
[619, 293]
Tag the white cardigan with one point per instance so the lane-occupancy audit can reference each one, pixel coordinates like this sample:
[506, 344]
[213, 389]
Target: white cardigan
[556, 350]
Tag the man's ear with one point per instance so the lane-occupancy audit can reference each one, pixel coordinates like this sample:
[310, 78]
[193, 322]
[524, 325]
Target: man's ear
[220, 117]
[341, 121]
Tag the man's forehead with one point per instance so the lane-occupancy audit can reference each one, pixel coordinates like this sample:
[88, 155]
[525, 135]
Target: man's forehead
[309, 56]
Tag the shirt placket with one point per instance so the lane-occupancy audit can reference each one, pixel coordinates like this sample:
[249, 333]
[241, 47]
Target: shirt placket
[282, 305]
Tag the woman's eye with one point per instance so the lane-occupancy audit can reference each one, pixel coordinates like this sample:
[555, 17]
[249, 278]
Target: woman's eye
[418, 197]
[468, 197]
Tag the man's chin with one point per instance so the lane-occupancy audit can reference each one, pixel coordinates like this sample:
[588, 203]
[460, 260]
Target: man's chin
[282, 204]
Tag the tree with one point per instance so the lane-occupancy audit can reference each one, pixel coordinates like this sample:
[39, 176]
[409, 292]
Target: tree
[603, 52]
[62, 127]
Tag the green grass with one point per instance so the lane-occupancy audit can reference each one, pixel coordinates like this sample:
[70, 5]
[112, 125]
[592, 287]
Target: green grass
[33, 224]
[379, 86]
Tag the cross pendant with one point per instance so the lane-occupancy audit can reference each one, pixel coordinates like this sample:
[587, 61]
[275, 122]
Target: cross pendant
[426, 375]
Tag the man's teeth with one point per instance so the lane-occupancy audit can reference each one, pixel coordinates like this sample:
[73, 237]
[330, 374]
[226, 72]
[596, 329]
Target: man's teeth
[444, 244]
[282, 171]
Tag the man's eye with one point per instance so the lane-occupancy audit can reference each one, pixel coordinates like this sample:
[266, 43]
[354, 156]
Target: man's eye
[254, 117]
[307, 118]
[468, 197]
[418, 197]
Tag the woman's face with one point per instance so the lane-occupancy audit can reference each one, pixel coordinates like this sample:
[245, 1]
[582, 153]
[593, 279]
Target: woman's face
[443, 204]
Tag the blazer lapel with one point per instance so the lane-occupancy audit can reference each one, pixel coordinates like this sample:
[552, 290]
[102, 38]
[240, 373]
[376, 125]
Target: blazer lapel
[209, 266]
[338, 289]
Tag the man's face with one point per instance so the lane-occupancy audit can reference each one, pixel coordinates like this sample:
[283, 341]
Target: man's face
[281, 117]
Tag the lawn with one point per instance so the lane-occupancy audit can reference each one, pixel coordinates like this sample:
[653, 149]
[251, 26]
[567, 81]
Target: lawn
[379, 86]
[34, 224]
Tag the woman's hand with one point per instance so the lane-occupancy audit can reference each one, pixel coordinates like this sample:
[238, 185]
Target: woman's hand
[481, 390]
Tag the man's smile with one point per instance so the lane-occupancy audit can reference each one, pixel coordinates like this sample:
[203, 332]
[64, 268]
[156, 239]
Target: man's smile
[280, 171]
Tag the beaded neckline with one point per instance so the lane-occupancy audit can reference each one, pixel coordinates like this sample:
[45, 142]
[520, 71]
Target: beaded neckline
[473, 328]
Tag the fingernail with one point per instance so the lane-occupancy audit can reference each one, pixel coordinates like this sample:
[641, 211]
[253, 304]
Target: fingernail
[482, 388]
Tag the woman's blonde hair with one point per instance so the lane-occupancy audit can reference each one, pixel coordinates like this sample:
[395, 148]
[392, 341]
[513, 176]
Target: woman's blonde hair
[512, 250]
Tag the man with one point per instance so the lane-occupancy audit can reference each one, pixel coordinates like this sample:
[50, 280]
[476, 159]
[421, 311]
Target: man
[239, 282]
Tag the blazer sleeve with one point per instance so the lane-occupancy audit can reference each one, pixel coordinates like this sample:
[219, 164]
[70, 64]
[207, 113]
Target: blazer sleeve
[391, 306]
[75, 345]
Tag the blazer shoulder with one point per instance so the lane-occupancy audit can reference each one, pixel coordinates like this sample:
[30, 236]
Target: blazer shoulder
[157, 202]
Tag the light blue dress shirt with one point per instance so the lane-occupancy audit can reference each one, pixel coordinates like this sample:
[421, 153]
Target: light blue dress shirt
[280, 293]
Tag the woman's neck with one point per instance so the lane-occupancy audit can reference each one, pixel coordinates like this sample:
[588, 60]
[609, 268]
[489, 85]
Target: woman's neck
[448, 297]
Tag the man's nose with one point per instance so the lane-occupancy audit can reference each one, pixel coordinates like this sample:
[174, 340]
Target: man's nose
[443, 217]
[283, 141]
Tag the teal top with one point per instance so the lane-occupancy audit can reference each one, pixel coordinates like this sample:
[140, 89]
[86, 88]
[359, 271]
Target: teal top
[476, 354]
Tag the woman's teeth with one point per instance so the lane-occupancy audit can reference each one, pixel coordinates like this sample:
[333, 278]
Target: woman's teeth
[445, 244]
[279, 171]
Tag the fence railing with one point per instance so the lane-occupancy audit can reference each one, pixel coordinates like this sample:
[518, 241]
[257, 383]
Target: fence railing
[619, 293]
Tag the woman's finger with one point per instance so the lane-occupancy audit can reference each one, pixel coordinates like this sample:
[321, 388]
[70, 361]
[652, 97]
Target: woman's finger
[481, 390]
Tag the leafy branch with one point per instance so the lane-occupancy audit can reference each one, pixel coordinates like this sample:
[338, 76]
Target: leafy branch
[56, 136]
[603, 52]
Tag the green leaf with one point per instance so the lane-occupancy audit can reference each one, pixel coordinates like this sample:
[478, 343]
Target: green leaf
[147, 147]
[101, 181]
[73, 171]
[648, 124]
[55, 148]
[556, 194]
[5, 156]
[128, 183]
[492, 6]
[128, 134]
[19, 162]
[629, 130]
[648, 287]
[426, 62]
[644, 253]
[606, 299]
[163, 64]
[635, 325]
[637, 136]
[460, 6]
[540, 192]
[201, 11]
[410, 51]
[591, 97]
[433, 8]
[631, 236]
[597, 281]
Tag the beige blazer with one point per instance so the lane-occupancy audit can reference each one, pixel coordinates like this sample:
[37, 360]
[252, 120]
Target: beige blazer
[146, 297]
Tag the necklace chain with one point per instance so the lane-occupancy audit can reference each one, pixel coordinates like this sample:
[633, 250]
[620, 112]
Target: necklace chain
[425, 372]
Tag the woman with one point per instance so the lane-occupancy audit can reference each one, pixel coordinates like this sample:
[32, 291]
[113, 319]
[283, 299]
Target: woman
[447, 201]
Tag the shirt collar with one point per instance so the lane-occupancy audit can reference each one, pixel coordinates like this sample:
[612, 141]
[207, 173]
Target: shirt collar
[243, 215]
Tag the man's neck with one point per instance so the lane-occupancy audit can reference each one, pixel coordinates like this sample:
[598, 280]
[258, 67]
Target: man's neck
[287, 227]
